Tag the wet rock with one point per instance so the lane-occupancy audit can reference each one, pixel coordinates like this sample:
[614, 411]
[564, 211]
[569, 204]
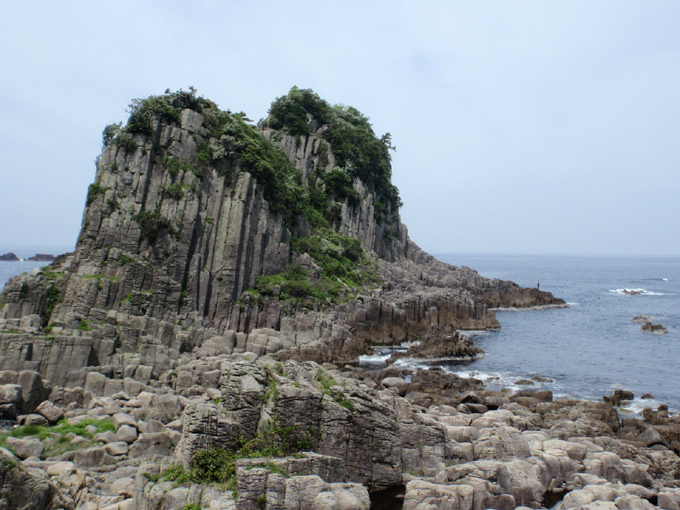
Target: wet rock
[618, 397]
[653, 328]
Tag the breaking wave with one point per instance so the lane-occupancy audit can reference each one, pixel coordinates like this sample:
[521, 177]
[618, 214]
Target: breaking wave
[636, 292]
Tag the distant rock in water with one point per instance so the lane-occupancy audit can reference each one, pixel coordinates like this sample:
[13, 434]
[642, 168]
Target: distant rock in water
[654, 328]
[639, 319]
[632, 292]
[9, 257]
[42, 257]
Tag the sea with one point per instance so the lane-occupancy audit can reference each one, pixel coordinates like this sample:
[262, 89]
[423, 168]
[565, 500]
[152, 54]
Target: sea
[585, 351]
[10, 269]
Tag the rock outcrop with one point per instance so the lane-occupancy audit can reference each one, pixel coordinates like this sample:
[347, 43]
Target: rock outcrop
[182, 219]
[186, 354]
[238, 433]
[42, 257]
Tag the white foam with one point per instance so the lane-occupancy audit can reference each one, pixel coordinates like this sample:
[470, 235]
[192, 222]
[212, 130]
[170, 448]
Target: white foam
[529, 309]
[639, 404]
[476, 332]
[664, 279]
[636, 292]
[481, 376]
[573, 304]
[374, 358]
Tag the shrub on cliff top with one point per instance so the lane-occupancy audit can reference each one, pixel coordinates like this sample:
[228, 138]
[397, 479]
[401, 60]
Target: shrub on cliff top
[167, 107]
[356, 147]
[290, 111]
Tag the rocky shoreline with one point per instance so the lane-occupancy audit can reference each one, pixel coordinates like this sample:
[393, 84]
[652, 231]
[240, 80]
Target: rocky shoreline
[199, 348]
[322, 436]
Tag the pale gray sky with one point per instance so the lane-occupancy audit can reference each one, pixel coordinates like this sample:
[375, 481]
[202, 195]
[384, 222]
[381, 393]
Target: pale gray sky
[521, 127]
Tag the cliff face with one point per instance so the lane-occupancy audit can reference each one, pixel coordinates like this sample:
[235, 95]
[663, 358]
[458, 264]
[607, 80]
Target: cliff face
[171, 239]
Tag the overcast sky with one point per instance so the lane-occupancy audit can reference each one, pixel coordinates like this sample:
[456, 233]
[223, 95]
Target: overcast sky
[521, 127]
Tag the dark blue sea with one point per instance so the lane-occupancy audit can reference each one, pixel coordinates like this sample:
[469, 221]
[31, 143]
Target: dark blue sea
[591, 348]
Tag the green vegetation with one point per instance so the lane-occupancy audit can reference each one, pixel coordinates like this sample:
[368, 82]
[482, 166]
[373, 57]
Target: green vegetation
[110, 132]
[289, 112]
[326, 383]
[339, 183]
[53, 297]
[241, 144]
[84, 326]
[192, 506]
[175, 165]
[167, 107]
[217, 465]
[47, 272]
[152, 225]
[356, 147]
[56, 437]
[175, 191]
[344, 267]
[126, 142]
[124, 260]
[24, 291]
[93, 192]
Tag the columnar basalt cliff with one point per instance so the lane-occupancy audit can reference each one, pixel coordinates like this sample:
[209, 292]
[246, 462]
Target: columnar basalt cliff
[192, 206]
[188, 354]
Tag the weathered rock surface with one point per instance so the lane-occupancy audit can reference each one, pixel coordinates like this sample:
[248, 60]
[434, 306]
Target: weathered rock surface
[356, 442]
[165, 253]
[145, 342]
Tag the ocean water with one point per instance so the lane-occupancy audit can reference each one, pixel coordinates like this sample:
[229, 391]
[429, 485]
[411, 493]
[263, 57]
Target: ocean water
[591, 348]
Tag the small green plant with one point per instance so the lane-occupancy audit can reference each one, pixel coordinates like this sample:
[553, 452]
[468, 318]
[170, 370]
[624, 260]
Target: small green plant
[57, 438]
[124, 260]
[53, 297]
[152, 225]
[152, 478]
[209, 220]
[347, 404]
[24, 291]
[84, 326]
[110, 132]
[126, 142]
[93, 192]
[175, 191]
[326, 383]
[192, 506]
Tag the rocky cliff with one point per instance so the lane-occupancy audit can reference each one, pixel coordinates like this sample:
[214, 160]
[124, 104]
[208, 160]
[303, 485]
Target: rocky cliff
[201, 229]
[183, 357]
